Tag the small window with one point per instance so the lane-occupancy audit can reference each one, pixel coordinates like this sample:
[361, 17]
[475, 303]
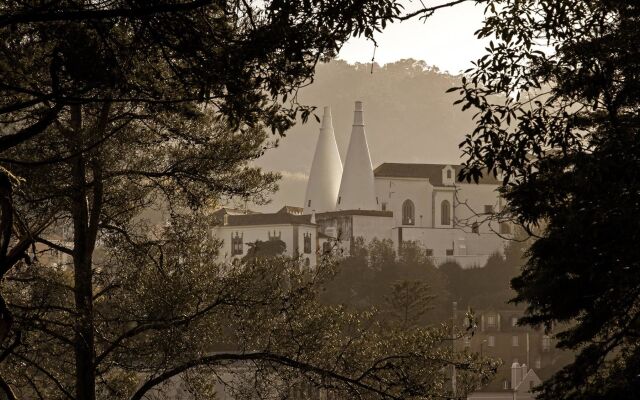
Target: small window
[309, 203]
[307, 243]
[488, 209]
[491, 321]
[546, 343]
[514, 341]
[236, 244]
[491, 341]
[408, 213]
[326, 247]
[384, 206]
[428, 252]
[445, 213]
[538, 363]
[530, 384]
[449, 174]
[475, 228]
[450, 252]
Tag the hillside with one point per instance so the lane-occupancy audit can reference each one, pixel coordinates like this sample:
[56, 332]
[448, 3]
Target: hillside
[408, 116]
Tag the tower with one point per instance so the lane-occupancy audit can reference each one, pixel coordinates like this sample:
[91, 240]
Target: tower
[357, 188]
[326, 170]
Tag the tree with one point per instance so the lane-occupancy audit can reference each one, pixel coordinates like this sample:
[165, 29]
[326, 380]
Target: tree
[269, 248]
[374, 276]
[557, 100]
[166, 307]
[408, 302]
[244, 59]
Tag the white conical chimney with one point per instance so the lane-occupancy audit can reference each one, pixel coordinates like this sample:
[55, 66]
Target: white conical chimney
[357, 188]
[326, 170]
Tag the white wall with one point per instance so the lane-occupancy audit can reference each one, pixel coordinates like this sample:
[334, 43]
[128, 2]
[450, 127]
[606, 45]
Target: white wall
[370, 227]
[471, 201]
[252, 234]
[395, 191]
[469, 249]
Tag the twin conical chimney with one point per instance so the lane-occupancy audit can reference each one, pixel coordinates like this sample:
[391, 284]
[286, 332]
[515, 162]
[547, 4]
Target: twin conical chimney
[326, 170]
[357, 188]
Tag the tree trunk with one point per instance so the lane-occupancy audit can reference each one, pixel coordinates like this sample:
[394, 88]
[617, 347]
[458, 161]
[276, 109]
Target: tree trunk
[82, 257]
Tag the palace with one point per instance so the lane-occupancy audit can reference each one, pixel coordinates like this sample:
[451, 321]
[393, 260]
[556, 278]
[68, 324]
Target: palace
[422, 203]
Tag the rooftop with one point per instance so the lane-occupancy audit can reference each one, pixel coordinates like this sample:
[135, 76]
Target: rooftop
[368, 213]
[433, 172]
[268, 219]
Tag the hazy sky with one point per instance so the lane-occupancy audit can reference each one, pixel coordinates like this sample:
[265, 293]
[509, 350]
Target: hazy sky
[445, 40]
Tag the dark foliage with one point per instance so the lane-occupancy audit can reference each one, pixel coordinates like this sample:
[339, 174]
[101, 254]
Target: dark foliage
[565, 136]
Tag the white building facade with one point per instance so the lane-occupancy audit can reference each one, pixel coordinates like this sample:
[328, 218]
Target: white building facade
[239, 232]
[421, 203]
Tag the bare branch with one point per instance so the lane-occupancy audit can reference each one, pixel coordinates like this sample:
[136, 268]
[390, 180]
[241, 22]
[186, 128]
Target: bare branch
[428, 11]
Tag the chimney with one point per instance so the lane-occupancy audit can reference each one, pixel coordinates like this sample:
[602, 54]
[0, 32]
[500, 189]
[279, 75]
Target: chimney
[357, 187]
[516, 374]
[524, 370]
[326, 170]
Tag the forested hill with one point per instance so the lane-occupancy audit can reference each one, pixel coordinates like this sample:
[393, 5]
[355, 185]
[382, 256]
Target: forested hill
[408, 116]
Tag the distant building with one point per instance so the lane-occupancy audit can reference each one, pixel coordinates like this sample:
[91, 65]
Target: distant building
[532, 351]
[420, 203]
[517, 383]
[297, 232]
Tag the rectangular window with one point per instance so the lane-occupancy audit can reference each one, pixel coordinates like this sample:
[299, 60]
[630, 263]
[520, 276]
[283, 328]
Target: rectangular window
[488, 209]
[236, 244]
[449, 252]
[492, 341]
[428, 252]
[514, 341]
[307, 243]
[491, 321]
[546, 343]
[384, 206]
[309, 203]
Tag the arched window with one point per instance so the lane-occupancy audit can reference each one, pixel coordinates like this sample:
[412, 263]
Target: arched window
[408, 211]
[445, 213]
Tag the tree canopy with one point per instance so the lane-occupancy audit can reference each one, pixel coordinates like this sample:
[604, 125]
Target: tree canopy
[557, 101]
